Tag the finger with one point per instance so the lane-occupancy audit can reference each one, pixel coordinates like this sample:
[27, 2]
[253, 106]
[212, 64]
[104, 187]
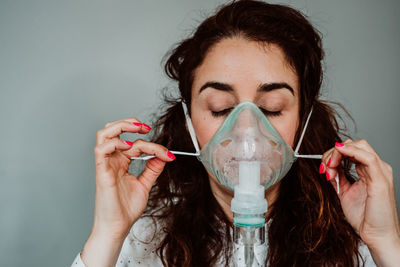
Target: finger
[336, 157]
[370, 161]
[386, 168]
[325, 157]
[153, 169]
[134, 121]
[141, 146]
[332, 160]
[114, 130]
[103, 150]
[363, 144]
[330, 173]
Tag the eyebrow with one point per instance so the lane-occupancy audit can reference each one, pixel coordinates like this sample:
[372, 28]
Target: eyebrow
[265, 87]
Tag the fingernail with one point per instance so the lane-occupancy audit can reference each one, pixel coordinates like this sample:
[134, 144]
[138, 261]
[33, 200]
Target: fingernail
[137, 123]
[339, 144]
[328, 178]
[321, 168]
[329, 162]
[146, 126]
[170, 155]
[128, 143]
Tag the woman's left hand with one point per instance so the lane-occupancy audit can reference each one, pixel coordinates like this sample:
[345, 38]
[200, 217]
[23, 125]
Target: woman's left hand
[368, 204]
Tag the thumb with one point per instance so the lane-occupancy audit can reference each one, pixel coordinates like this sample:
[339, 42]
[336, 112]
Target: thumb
[153, 169]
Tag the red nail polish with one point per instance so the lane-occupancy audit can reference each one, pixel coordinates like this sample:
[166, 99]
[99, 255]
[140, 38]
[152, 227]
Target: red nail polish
[328, 178]
[170, 155]
[329, 162]
[137, 123]
[339, 144]
[128, 143]
[321, 168]
[146, 126]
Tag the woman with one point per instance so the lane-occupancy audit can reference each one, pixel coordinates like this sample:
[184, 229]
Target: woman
[243, 47]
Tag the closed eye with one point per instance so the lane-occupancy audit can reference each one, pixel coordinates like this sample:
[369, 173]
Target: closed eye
[221, 113]
[228, 110]
[270, 113]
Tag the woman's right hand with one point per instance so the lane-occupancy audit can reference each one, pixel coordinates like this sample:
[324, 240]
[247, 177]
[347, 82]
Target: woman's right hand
[121, 198]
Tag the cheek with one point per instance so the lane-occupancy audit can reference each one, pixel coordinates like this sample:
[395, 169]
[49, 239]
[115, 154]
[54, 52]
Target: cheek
[287, 128]
[205, 127]
[289, 134]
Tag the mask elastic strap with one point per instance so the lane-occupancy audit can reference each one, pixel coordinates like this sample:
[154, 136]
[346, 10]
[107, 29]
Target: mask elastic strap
[296, 151]
[196, 145]
[190, 128]
[296, 154]
[192, 135]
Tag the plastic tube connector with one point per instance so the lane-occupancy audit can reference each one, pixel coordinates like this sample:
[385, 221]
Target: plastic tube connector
[249, 203]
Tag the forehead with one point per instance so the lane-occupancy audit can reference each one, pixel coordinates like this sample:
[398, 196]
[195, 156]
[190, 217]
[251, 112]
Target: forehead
[244, 64]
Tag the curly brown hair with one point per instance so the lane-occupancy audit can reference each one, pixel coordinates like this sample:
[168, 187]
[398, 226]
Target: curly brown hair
[308, 227]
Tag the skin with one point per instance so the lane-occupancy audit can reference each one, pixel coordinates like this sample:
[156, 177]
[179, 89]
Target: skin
[369, 205]
[244, 65]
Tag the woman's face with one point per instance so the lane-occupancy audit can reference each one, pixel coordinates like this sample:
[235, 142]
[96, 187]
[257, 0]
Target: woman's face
[237, 70]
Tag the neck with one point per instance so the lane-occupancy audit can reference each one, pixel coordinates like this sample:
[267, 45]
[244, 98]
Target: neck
[224, 197]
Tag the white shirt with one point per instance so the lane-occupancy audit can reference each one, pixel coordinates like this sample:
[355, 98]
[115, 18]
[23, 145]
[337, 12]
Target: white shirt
[139, 248]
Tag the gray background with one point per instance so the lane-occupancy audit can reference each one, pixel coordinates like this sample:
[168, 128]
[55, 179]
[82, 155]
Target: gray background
[69, 67]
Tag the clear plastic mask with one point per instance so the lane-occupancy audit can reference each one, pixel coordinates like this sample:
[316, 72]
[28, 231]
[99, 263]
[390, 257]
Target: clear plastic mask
[247, 135]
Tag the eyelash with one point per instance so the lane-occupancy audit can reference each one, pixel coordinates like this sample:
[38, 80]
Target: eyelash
[227, 110]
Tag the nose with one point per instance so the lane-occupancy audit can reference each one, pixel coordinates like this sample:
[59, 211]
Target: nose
[246, 123]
